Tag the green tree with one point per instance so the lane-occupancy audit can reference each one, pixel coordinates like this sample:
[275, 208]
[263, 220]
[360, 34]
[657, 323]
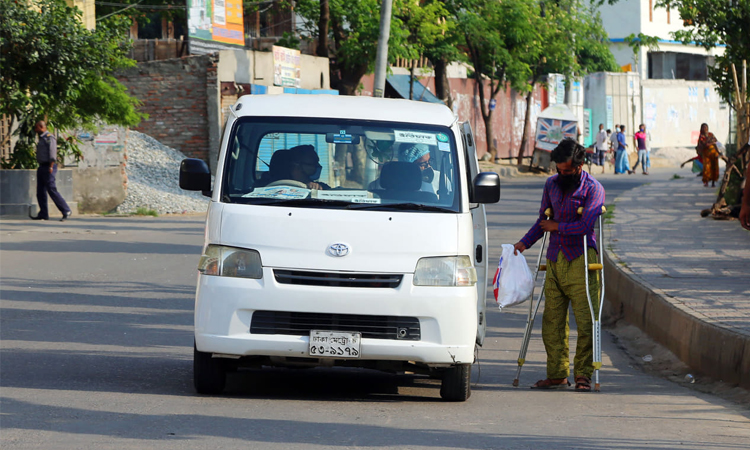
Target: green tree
[572, 42]
[53, 68]
[353, 28]
[425, 26]
[495, 37]
[711, 23]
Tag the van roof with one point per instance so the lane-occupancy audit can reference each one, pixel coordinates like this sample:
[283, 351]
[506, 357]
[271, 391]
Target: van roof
[344, 106]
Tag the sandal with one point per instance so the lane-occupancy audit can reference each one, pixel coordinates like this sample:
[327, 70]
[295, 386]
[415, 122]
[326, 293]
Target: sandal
[583, 384]
[548, 383]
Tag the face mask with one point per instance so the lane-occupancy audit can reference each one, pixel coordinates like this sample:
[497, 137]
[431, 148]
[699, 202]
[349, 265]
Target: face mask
[568, 182]
[317, 173]
[428, 175]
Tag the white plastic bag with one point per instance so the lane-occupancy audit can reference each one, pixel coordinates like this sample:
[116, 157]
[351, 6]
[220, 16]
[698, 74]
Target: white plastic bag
[513, 282]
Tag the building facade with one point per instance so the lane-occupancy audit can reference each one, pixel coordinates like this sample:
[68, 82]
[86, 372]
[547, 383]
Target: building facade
[672, 60]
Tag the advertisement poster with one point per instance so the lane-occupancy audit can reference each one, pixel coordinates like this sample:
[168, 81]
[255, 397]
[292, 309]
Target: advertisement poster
[286, 67]
[215, 25]
[550, 132]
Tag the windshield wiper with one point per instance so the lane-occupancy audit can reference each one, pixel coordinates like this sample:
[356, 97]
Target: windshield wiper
[311, 202]
[399, 207]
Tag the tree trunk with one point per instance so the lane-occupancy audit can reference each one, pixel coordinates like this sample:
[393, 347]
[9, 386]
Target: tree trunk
[325, 16]
[411, 80]
[442, 85]
[347, 81]
[526, 119]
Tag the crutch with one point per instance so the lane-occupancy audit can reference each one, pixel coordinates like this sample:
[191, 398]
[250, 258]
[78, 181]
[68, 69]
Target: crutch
[533, 307]
[595, 318]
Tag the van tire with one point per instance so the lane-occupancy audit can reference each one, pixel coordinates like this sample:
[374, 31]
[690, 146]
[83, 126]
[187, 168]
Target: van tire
[456, 385]
[209, 374]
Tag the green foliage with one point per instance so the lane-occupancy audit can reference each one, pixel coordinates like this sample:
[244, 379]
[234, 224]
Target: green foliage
[288, 40]
[53, 68]
[710, 23]
[641, 40]
[144, 211]
[353, 33]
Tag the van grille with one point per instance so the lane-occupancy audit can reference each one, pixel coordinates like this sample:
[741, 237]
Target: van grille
[300, 324]
[337, 279]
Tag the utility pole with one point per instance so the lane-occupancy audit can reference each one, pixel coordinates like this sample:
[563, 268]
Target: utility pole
[381, 58]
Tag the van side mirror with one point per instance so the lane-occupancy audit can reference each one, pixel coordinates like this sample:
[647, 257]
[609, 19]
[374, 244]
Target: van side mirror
[195, 175]
[486, 188]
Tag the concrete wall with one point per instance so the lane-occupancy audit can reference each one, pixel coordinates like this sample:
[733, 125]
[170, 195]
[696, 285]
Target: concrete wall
[255, 67]
[18, 193]
[614, 99]
[673, 111]
[99, 179]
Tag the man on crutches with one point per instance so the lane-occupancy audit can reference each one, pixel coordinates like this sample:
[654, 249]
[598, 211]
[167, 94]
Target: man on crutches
[565, 282]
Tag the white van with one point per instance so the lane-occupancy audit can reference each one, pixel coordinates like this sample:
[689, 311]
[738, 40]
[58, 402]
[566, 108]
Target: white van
[342, 231]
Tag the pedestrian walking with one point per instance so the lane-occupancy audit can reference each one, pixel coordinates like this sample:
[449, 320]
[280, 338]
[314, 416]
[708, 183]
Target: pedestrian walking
[46, 156]
[565, 282]
[621, 155]
[601, 147]
[640, 142]
[710, 155]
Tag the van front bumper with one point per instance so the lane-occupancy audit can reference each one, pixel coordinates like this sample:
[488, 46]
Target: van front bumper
[225, 306]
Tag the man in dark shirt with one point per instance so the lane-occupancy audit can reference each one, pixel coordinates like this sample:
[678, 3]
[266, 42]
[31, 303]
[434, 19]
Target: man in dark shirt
[565, 283]
[46, 156]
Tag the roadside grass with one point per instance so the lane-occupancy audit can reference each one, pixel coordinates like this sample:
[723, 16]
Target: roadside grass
[610, 214]
[143, 211]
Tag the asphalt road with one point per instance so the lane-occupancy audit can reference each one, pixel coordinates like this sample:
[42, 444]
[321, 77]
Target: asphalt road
[96, 352]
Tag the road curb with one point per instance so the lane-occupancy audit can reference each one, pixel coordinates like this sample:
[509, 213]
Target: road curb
[706, 348]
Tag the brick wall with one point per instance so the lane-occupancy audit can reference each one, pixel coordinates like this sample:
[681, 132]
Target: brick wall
[174, 95]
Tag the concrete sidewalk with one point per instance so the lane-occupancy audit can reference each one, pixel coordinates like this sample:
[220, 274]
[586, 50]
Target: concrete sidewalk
[683, 279]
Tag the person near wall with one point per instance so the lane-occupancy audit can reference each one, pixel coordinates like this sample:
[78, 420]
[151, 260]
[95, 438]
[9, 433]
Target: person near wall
[621, 155]
[601, 147]
[640, 142]
[709, 154]
[46, 156]
[565, 284]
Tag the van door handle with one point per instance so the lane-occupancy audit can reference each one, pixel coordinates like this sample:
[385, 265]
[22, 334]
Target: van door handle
[478, 255]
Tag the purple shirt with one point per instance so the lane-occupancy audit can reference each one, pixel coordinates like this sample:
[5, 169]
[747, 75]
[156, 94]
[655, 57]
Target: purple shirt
[571, 226]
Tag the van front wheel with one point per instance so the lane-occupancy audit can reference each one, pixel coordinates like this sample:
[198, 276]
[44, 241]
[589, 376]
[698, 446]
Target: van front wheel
[209, 374]
[456, 385]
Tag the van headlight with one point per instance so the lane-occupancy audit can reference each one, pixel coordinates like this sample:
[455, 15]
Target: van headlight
[230, 262]
[445, 271]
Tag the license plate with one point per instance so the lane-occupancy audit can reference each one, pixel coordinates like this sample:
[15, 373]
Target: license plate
[334, 344]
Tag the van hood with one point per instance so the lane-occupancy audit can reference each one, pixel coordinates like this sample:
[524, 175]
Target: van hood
[377, 241]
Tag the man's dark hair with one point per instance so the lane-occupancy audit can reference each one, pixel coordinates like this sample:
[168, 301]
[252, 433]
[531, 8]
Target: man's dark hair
[569, 150]
[622, 128]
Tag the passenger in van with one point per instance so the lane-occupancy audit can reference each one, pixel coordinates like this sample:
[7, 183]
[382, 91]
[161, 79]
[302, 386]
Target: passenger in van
[418, 154]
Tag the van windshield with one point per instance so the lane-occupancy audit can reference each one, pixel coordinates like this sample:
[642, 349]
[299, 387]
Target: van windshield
[334, 163]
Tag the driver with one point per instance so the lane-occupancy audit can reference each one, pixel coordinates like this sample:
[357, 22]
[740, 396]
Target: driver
[306, 167]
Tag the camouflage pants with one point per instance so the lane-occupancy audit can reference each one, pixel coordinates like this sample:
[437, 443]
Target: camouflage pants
[565, 285]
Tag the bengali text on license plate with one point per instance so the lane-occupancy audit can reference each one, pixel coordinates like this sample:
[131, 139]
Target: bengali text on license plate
[334, 344]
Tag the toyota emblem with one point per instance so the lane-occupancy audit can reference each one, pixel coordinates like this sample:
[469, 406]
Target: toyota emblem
[338, 250]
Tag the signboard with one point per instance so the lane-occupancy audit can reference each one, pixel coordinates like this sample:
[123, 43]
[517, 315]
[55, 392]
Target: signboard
[286, 67]
[549, 132]
[215, 25]
[588, 139]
